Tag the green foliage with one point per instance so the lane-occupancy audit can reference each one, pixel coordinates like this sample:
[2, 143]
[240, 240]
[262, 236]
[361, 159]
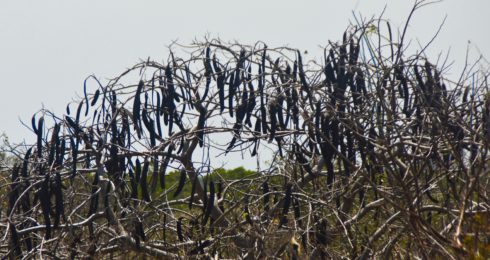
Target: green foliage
[218, 175]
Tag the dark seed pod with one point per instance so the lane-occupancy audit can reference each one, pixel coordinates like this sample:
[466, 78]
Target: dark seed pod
[200, 127]
[74, 155]
[157, 116]
[322, 233]
[74, 125]
[210, 205]
[391, 39]
[86, 97]
[134, 184]
[231, 93]
[302, 77]
[138, 170]
[25, 163]
[295, 109]
[136, 108]
[207, 73]
[44, 196]
[95, 98]
[262, 73]
[256, 144]
[39, 132]
[180, 187]
[179, 230]
[165, 163]
[58, 195]
[33, 123]
[79, 112]
[273, 120]
[220, 82]
[144, 183]
[140, 231]
[150, 126]
[14, 240]
[53, 143]
[465, 94]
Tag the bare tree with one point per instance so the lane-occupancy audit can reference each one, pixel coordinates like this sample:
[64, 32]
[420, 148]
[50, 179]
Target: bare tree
[378, 155]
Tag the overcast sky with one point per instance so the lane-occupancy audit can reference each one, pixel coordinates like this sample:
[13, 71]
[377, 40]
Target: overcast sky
[47, 48]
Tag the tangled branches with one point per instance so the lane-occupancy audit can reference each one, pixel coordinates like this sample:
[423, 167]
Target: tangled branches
[378, 155]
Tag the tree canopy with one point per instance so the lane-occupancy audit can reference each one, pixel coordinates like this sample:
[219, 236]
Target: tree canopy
[378, 155]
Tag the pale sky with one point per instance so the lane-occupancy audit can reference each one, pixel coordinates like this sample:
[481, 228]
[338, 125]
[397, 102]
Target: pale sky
[47, 48]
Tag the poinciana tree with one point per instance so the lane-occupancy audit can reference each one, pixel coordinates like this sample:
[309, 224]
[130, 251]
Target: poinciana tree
[377, 154]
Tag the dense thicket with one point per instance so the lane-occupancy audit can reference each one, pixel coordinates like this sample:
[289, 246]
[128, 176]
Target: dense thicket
[378, 155]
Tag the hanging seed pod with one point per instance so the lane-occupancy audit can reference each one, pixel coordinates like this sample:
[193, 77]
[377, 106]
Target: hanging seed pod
[53, 142]
[250, 100]
[138, 170]
[39, 132]
[180, 187]
[273, 120]
[44, 197]
[179, 230]
[220, 83]
[200, 127]
[74, 125]
[150, 126]
[302, 160]
[33, 123]
[95, 98]
[140, 230]
[208, 71]
[134, 184]
[302, 77]
[322, 234]
[231, 93]
[137, 107]
[256, 144]
[79, 111]
[157, 116]
[74, 155]
[58, 195]
[86, 97]
[163, 169]
[144, 182]
[210, 204]
[15, 243]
